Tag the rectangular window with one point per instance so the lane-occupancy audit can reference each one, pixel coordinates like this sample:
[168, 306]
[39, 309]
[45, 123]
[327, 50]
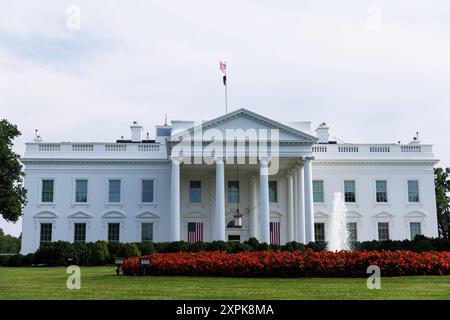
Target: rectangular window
[350, 191]
[114, 191]
[81, 190]
[415, 229]
[46, 233]
[352, 231]
[381, 186]
[413, 190]
[318, 191]
[319, 232]
[79, 233]
[147, 191]
[273, 195]
[47, 190]
[147, 232]
[195, 191]
[233, 191]
[383, 231]
[113, 232]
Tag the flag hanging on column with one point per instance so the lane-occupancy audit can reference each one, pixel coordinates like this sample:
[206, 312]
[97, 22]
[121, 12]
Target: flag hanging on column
[223, 68]
[195, 232]
[275, 233]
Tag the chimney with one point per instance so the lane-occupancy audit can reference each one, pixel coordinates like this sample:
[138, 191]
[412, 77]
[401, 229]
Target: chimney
[136, 131]
[322, 133]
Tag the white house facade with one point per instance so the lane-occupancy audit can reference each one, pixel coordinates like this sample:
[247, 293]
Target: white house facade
[273, 181]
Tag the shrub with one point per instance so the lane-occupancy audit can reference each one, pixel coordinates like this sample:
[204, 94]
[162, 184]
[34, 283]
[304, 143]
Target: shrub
[146, 248]
[218, 246]
[293, 246]
[297, 263]
[198, 247]
[98, 253]
[4, 261]
[59, 253]
[16, 260]
[82, 251]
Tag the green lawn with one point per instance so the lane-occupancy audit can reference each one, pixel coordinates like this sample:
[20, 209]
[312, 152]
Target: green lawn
[102, 283]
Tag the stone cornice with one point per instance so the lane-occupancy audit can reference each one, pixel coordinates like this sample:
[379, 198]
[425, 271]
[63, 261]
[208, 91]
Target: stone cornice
[92, 161]
[400, 162]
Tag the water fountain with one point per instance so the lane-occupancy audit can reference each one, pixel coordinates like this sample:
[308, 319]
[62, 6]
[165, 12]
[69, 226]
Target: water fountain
[337, 235]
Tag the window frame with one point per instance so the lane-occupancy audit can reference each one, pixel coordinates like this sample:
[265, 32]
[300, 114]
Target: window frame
[276, 191]
[354, 191]
[41, 189]
[386, 192]
[108, 200]
[108, 232]
[420, 229]
[141, 188]
[355, 229]
[41, 232]
[152, 231]
[323, 191]
[238, 192]
[75, 232]
[316, 233]
[189, 192]
[388, 230]
[418, 191]
[74, 199]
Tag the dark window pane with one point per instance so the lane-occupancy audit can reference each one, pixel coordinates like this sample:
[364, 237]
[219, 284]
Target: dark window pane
[113, 232]
[46, 233]
[80, 232]
[195, 192]
[147, 232]
[47, 190]
[114, 191]
[273, 195]
[81, 190]
[319, 232]
[233, 191]
[147, 190]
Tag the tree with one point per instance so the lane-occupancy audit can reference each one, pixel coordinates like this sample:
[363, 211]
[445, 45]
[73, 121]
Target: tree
[12, 192]
[442, 187]
[9, 244]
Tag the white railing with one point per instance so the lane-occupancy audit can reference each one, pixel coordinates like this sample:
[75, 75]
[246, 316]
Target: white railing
[411, 148]
[49, 147]
[348, 149]
[82, 147]
[319, 148]
[148, 147]
[115, 147]
[372, 150]
[379, 149]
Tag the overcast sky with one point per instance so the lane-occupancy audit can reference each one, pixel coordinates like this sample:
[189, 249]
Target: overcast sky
[375, 71]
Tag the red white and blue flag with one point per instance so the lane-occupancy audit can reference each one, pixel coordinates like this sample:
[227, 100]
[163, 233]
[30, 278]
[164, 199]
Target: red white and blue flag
[223, 68]
[275, 233]
[195, 232]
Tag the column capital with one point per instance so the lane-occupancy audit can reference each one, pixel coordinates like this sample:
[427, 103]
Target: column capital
[218, 160]
[176, 159]
[264, 160]
[308, 158]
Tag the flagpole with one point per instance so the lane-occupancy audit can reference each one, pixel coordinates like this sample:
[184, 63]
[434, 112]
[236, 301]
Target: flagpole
[226, 97]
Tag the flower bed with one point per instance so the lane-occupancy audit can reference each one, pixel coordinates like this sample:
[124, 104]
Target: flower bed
[292, 264]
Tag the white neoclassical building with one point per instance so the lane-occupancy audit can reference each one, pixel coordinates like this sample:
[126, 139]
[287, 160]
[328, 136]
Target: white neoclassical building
[237, 176]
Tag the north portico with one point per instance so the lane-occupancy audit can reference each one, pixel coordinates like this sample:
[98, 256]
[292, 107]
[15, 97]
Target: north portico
[237, 176]
[251, 150]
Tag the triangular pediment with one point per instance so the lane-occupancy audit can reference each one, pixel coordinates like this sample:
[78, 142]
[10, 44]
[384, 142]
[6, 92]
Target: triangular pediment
[415, 214]
[79, 215]
[113, 215]
[321, 215]
[247, 121]
[46, 215]
[383, 214]
[147, 215]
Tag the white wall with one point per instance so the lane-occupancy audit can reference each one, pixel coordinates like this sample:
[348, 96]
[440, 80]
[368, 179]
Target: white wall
[367, 212]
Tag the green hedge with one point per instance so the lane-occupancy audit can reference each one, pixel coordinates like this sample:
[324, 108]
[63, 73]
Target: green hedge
[61, 253]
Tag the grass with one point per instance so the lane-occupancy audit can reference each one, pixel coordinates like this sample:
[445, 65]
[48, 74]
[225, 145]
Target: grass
[102, 283]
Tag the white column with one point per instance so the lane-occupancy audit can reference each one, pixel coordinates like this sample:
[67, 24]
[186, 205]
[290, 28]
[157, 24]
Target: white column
[253, 208]
[220, 201]
[264, 200]
[290, 206]
[175, 200]
[295, 202]
[309, 209]
[301, 205]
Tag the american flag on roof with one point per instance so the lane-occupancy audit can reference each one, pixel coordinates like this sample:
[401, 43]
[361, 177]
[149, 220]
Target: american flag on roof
[223, 67]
